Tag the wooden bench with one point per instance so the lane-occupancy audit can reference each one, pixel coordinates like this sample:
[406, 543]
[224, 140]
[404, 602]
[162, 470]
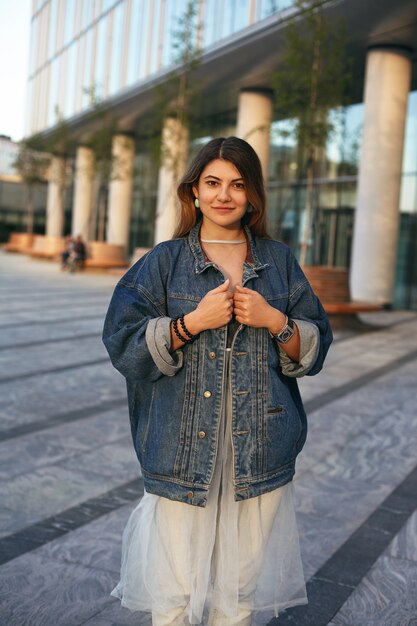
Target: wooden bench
[331, 285]
[19, 242]
[103, 255]
[47, 247]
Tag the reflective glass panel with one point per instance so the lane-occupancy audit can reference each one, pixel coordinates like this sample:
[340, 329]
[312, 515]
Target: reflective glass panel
[154, 36]
[87, 83]
[52, 28]
[69, 21]
[70, 87]
[101, 49]
[33, 45]
[87, 12]
[53, 92]
[118, 39]
[235, 16]
[137, 42]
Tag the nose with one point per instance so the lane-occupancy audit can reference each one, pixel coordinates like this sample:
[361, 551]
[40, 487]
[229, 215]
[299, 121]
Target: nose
[223, 193]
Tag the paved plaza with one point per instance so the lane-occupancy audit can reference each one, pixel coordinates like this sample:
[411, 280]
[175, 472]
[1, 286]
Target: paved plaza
[69, 476]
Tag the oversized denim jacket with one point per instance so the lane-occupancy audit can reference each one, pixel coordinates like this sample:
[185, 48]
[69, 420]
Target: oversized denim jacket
[175, 399]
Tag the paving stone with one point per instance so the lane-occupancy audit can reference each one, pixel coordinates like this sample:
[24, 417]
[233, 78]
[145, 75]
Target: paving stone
[117, 460]
[338, 498]
[55, 393]
[386, 597]
[404, 545]
[49, 490]
[96, 545]
[38, 591]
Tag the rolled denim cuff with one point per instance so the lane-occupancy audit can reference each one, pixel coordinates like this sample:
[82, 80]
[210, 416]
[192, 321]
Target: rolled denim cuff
[158, 340]
[309, 350]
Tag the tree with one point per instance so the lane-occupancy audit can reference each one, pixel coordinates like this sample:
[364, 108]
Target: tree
[178, 96]
[312, 80]
[32, 166]
[107, 166]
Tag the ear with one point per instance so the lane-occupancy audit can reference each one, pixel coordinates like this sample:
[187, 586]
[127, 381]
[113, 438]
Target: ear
[195, 191]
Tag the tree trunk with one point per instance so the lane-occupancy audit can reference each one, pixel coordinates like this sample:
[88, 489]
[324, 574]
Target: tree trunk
[30, 209]
[101, 213]
[315, 70]
[305, 241]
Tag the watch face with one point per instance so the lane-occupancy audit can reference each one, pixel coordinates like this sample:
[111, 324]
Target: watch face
[285, 335]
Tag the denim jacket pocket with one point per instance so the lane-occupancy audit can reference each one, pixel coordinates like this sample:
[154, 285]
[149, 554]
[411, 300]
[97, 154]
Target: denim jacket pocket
[282, 432]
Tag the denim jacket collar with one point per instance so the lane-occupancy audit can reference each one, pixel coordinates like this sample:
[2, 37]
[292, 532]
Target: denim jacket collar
[251, 265]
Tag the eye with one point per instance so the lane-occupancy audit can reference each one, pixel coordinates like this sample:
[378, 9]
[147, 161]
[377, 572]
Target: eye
[240, 185]
[212, 183]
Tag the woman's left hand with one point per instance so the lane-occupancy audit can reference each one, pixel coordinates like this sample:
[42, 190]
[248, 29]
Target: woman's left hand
[250, 308]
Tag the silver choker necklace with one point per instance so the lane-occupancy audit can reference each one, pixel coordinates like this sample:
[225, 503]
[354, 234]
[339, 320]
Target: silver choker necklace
[234, 241]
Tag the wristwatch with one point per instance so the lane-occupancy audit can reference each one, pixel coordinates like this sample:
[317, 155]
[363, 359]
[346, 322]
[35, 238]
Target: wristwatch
[286, 332]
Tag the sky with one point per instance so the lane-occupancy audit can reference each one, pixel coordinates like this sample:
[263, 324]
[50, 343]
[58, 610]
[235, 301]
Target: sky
[14, 56]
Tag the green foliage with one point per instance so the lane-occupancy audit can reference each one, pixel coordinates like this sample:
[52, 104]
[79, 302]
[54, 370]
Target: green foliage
[179, 94]
[314, 74]
[100, 139]
[312, 80]
[60, 142]
[31, 164]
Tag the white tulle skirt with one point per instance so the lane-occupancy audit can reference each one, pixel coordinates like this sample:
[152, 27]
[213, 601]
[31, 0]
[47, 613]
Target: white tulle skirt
[228, 563]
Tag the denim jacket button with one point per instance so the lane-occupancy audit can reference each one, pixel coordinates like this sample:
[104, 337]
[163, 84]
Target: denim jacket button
[212, 354]
[207, 394]
[190, 494]
[201, 434]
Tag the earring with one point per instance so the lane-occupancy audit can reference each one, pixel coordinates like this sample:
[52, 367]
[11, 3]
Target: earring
[196, 202]
[249, 208]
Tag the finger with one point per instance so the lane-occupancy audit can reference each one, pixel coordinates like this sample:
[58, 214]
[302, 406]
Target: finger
[240, 297]
[243, 289]
[223, 287]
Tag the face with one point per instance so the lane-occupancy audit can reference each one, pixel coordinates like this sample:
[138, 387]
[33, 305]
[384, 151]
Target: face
[222, 195]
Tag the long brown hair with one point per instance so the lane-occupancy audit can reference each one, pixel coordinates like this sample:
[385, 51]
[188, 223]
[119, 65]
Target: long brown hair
[246, 161]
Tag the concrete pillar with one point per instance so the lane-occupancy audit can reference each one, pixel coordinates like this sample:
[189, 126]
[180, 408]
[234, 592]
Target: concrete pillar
[83, 193]
[254, 119]
[120, 190]
[55, 198]
[374, 250]
[174, 150]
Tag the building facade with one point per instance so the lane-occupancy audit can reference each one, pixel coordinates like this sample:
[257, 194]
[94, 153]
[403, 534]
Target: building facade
[122, 54]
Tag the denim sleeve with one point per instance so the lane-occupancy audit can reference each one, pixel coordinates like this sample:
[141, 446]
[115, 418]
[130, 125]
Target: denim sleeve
[304, 306]
[136, 352]
[309, 350]
[158, 340]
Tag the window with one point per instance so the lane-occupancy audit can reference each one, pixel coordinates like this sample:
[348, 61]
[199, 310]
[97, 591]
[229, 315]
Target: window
[53, 26]
[101, 53]
[117, 42]
[137, 42]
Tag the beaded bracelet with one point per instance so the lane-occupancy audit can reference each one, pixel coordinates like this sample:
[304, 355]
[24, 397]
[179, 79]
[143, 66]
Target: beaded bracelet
[177, 332]
[185, 329]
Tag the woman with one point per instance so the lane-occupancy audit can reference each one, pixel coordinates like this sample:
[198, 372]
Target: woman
[211, 330]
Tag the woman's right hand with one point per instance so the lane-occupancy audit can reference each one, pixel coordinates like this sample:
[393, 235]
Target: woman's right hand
[213, 311]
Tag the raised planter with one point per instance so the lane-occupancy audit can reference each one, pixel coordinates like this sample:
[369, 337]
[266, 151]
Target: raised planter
[102, 255]
[47, 247]
[19, 242]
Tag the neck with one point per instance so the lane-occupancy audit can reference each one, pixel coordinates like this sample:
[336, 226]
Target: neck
[220, 233]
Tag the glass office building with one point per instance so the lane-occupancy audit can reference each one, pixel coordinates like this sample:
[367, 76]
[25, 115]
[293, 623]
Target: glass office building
[121, 52]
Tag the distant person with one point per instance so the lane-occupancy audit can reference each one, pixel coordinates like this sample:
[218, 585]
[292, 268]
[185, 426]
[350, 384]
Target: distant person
[79, 253]
[67, 253]
[74, 255]
[211, 331]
